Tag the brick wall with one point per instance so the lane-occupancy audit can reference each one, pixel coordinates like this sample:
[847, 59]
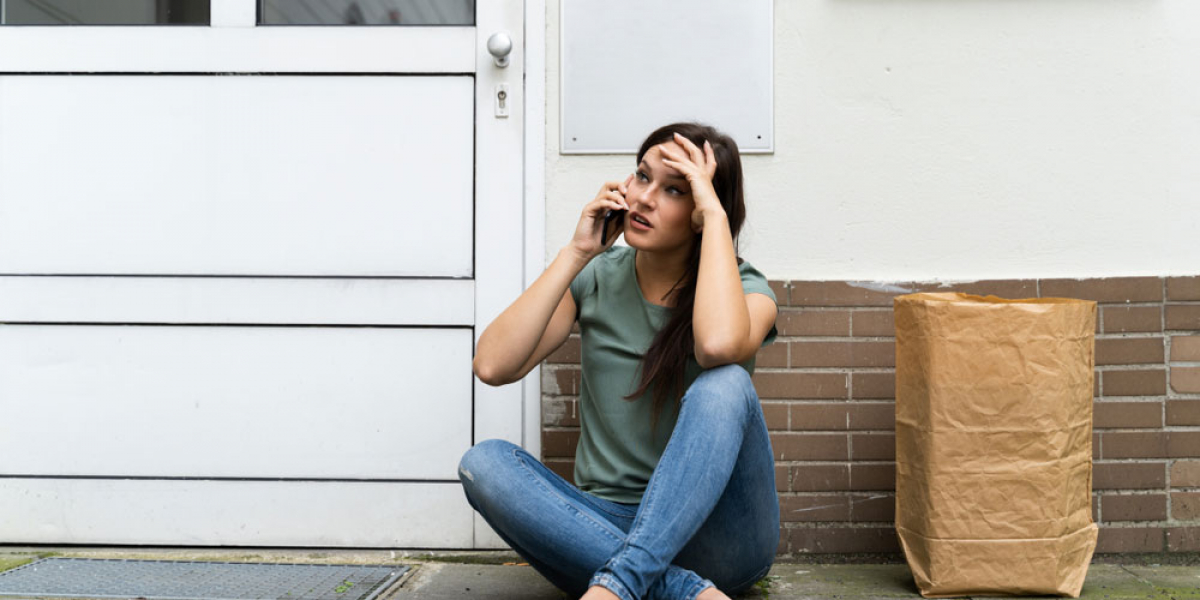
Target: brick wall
[827, 391]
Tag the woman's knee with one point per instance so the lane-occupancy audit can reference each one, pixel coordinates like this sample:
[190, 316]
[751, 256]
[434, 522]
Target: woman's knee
[482, 459]
[727, 384]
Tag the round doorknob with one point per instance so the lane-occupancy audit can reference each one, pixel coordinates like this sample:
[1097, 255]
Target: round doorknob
[500, 45]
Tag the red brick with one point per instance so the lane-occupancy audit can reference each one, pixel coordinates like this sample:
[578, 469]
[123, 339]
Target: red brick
[1185, 473]
[1110, 289]
[874, 508]
[781, 290]
[869, 322]
[1142, 382]
[1140, 507]
[1183, 412]
[873, 415]
[1183, 288]
[782, 384]
[820, 478]
[873, 446]
[874, 385]
[809, 446]
[1127, 351]
[1183, 539]
[564, 381]
[774, 354]
[844, 354]
[1183, 444]
[1183, 316]
[1126, 319]
[782, 477]
[1185, 347]
[776, 415]
[829, 416]
[1127, 414]
[1129, 476]
[560, 412]
[1130, 539]
[568, 352]
[1185, 380]
[814, 322]
[841, 293]
[563, 468]
[814, 508]
[559, 443]
[1135, 444]
[1004, 288]
[840, 540]
[872, 477]
[1185, 506]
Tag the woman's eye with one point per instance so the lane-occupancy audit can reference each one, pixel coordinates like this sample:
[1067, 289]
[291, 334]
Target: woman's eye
[640, 175]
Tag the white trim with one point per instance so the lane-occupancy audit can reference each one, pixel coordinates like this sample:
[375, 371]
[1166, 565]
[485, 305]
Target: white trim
[535, 196]
[372, 514]
[500, 219]
[257, 300]
[266, 49]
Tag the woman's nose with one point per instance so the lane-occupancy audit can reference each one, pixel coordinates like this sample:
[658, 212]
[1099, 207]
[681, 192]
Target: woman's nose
[639, 195]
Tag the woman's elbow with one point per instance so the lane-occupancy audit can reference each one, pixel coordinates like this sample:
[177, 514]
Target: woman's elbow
[486, 373]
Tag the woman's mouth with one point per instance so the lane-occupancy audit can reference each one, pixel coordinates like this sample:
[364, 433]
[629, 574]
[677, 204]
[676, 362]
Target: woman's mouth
[637, 223]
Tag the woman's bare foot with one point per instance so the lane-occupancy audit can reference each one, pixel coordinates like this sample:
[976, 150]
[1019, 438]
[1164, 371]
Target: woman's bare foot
[712, 593]
[599, 592]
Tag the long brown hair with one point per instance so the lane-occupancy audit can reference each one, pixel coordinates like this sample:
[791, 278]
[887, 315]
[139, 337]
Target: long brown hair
[664, 363]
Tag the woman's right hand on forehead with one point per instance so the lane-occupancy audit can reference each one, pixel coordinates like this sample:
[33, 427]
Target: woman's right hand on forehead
[611, 196]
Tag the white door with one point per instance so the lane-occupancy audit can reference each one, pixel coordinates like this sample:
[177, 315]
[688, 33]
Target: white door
[244, 249]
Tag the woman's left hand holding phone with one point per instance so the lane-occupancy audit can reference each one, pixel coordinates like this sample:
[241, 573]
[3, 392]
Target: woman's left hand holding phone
[617, 216]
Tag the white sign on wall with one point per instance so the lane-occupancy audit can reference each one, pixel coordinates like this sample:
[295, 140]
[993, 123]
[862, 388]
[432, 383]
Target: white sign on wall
[630, 67]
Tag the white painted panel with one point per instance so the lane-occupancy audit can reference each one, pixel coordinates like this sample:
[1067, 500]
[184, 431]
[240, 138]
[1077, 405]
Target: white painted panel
[254, 175]
[167, 401]
[624, 76]
[238, 49]
[273, 300]
[235, 513]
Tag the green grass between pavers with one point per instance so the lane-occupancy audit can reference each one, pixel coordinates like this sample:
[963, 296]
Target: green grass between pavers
[764, 585]
[12, 563]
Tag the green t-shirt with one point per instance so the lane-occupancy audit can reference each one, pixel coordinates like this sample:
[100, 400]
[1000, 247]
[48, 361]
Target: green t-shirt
[616, 454]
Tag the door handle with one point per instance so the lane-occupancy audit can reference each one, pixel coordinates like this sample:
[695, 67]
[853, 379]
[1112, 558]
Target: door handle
[500, 45]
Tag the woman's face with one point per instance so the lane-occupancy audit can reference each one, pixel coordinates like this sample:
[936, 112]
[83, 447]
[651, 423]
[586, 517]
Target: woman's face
[662, 196]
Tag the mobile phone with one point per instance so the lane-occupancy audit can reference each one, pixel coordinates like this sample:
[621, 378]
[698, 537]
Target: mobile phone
[610, 216]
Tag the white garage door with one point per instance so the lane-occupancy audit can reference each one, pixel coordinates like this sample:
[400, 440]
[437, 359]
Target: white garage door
[244, 249]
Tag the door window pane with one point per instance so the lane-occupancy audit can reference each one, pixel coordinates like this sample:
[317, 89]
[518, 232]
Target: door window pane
[104, 12]
[366, 12]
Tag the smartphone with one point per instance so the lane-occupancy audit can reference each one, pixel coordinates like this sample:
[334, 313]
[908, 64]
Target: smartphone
[610, 216]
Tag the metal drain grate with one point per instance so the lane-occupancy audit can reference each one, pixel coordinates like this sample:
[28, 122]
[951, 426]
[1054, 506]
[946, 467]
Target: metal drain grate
[196, 580]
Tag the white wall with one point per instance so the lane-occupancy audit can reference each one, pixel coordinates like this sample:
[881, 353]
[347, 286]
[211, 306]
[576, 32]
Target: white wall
[958, 140]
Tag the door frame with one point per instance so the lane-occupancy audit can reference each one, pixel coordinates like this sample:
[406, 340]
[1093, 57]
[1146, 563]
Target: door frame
[505, 264]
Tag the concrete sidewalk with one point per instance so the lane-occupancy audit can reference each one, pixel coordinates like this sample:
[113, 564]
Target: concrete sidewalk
[496, 575]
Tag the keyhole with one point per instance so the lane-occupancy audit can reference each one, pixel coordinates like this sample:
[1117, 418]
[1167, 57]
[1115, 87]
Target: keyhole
[502, 95]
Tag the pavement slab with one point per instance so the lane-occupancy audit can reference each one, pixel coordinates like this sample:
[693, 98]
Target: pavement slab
[502, 575]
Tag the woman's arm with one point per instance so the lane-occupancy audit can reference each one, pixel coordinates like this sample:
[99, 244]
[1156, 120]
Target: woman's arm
[511, 339]
[721, 318]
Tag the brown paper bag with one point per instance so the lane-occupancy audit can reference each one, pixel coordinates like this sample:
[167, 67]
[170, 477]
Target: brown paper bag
[994, 443]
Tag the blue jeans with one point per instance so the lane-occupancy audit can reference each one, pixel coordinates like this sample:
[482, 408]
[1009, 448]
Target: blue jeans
[709, 515]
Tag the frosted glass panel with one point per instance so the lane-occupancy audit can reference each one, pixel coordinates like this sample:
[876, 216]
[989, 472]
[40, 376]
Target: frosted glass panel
[104, 12]
[367, 12]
